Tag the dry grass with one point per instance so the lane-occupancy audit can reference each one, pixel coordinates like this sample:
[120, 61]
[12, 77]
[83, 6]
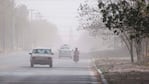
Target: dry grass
[119, 70]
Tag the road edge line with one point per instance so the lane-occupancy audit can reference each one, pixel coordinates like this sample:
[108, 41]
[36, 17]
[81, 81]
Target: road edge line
[104, 81]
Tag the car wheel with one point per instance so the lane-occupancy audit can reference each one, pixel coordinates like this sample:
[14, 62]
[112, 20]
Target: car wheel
[51, 64]
[32, 64]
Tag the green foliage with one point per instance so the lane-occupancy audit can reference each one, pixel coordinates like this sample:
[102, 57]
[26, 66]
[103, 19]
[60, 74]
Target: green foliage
[127, 18]
[124, 16]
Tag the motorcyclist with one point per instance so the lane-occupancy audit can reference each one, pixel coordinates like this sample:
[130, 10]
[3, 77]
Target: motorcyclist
[76, 55]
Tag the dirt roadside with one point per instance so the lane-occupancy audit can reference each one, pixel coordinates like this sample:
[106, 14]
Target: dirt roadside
[121, 71]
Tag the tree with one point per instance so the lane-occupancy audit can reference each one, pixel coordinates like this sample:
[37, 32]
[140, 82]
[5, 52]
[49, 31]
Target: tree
[127, 19]
[89, 17]
[44, 33]
[7, 24]
[90, 20]
[22, 27]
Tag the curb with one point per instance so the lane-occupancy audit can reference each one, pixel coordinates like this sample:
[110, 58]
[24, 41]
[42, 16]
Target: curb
[104, 81]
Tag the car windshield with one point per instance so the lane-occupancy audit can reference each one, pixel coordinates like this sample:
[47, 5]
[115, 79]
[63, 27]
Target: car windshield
[41, 51]
[65, 47]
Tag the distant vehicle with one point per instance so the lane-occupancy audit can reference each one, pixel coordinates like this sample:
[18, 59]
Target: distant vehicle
[41, 56]
[65, 51]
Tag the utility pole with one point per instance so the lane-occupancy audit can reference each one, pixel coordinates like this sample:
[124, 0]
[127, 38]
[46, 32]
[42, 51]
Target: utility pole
[34, 15]
[31, 20]
[14, 27]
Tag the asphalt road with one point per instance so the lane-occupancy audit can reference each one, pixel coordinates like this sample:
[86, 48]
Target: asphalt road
[15, 69]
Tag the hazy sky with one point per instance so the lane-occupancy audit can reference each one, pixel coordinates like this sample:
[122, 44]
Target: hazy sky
[60, 12]
[63, 13]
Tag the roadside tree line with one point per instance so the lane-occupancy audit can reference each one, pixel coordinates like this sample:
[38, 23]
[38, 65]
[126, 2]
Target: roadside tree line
[128, 19]
[18, 31]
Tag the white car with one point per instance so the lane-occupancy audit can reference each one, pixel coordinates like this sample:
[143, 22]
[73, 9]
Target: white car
[41, 56]
[65, 51]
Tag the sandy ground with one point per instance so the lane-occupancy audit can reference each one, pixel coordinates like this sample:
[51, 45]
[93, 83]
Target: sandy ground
[119, 70]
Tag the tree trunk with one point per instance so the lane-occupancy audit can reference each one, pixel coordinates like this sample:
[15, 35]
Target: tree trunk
[139, 50]
[131, 51]
[129, 44]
